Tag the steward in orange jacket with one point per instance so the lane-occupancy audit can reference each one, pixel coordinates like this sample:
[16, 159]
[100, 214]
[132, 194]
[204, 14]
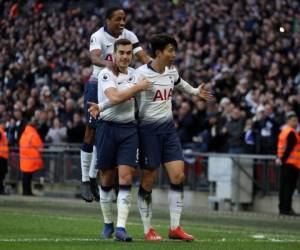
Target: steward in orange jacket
[288, 157]
[30, 150]
[30, 156]
[3, 158]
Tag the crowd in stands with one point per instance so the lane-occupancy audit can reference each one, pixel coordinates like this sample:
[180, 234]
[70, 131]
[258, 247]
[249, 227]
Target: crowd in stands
[247, 51]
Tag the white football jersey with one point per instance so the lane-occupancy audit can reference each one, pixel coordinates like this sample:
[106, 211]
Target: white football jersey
[155, 106]
[104, 41]
[123, 112]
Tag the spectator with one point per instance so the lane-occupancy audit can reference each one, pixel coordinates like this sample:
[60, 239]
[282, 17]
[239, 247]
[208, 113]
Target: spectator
[56, 134]
[216, 139]
[42, 123]
[185, 123]
[75, 129]
[19, 124]
[235, 131]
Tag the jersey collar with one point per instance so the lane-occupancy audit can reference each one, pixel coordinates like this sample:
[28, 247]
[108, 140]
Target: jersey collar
[150, 67]
[107, 31]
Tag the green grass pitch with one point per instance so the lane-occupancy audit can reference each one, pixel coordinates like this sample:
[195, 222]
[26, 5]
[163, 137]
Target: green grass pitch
[44, 223]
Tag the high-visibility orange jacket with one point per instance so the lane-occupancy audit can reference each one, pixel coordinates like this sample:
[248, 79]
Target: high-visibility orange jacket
[294, 157]
[3, 144]
[30, 147]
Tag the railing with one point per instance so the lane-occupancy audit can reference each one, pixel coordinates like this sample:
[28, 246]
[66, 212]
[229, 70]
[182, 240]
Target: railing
[62, 165]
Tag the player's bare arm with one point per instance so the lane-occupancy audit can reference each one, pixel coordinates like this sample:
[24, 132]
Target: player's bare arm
[116, 97]
[143, 57]
[96, 59]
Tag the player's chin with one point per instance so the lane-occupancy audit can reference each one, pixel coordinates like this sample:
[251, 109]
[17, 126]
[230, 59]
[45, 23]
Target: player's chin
[125, 63]
[172, 61]
[120, 30]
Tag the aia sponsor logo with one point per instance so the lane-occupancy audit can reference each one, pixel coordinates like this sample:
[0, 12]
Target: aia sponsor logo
[162, 95]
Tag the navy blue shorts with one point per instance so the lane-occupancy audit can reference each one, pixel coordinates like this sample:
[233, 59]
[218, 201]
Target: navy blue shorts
[90, 95]
[156, 149]
[117, 144]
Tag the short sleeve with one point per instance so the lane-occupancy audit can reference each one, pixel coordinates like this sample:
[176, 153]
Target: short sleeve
[95, 42]
[175, 74]
[138, 76]
[106, 80]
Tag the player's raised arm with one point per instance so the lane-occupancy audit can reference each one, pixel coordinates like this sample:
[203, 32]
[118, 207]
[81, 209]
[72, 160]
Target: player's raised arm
[185, 87]
[143, 57]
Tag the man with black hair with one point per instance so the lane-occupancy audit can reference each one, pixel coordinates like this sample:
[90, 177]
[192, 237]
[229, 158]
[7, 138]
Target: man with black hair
[159, 142]
[101, 50]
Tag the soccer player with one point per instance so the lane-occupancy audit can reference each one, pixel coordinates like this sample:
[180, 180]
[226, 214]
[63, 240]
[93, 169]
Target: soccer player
[117, 137]
[101, 49]
[159, 142]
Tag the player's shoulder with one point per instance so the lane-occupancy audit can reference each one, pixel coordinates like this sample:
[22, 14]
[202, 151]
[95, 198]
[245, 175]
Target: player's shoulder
[130, 35]
[141, 72]
[142, 68]
[128, 32]
[98, 33]
[131, 71]
[106, 74]
[172, 71]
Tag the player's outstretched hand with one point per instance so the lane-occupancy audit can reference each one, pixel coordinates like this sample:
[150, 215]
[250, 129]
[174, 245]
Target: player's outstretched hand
[94, 109]
[205, 94]
[144, 84]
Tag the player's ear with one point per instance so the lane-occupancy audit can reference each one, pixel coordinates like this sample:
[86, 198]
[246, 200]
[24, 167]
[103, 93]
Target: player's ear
[157, 53]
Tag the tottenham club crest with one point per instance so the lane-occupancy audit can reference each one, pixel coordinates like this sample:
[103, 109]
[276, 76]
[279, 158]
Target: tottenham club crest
[93, 40]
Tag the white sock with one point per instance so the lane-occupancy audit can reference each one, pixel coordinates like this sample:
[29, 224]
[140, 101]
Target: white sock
[85, 159]
[93, 171]
[123, 203]
[145, 212]
[106, 203]
[176, 205]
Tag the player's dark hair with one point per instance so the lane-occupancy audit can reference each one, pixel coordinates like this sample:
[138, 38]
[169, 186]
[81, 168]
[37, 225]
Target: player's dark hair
[160, 42]
[122, 41]
[110, 12]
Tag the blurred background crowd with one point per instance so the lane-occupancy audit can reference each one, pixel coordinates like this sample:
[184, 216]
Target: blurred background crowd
[248, 51]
